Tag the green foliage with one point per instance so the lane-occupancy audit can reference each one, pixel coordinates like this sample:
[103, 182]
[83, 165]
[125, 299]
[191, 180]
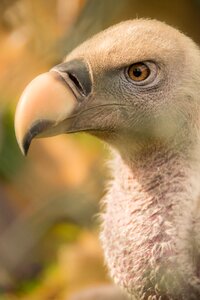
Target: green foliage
[10, 157]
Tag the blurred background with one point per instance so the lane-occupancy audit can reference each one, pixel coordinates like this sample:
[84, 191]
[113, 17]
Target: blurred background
[49, 201]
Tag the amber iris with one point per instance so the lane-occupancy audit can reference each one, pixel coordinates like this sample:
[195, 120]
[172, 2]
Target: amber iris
[138, 72]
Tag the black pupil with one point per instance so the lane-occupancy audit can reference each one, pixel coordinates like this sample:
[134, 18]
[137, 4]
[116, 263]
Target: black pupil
[137, 72]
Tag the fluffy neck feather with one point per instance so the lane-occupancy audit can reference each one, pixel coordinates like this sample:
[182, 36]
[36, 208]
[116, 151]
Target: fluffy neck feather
[149, 223]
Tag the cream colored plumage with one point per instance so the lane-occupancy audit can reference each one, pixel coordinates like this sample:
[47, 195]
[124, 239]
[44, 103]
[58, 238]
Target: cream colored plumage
[151, 219]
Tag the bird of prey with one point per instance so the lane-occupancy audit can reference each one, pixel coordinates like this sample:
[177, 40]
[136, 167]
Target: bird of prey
[136, 86]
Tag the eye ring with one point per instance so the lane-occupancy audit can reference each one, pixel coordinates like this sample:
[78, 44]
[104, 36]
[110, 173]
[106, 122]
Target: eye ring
[138, 72]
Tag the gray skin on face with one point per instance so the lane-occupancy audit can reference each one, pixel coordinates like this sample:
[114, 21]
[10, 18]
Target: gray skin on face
[150, 223]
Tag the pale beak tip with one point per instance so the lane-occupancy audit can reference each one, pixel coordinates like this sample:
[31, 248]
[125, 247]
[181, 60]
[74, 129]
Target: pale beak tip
[45, 102]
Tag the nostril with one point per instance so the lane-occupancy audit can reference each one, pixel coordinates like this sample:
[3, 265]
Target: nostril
[79, 74]
[76, 82]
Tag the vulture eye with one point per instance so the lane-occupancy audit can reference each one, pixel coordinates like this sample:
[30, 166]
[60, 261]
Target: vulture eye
[138, 72]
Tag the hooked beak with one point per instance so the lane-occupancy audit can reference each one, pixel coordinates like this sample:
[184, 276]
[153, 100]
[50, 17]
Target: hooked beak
[47, 102]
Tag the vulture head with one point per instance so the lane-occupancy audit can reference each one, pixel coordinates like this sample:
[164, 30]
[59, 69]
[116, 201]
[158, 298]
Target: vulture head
[135, 86]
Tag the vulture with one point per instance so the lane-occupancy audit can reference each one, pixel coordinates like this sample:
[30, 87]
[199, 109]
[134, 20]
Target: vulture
[136, 86]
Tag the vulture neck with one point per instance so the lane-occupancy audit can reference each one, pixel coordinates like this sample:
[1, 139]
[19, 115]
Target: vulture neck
[151, 208]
